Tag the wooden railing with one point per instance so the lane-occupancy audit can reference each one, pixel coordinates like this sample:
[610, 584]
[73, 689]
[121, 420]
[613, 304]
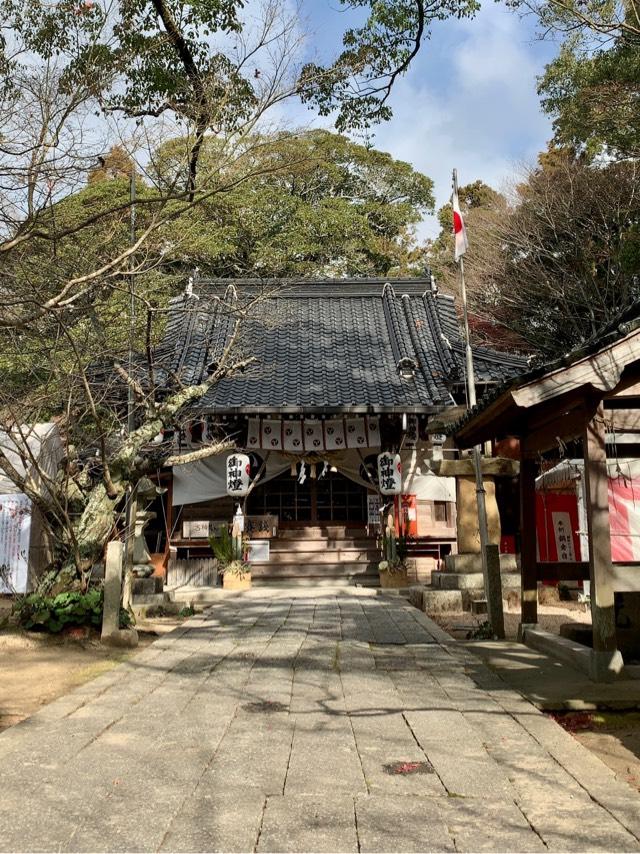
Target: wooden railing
[625, 576]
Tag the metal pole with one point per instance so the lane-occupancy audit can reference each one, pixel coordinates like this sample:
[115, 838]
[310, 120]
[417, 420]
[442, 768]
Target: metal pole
[492, 584]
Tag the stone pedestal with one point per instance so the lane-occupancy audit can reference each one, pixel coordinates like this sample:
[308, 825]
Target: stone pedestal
[467, 526]
[142, 563]
[463, 571]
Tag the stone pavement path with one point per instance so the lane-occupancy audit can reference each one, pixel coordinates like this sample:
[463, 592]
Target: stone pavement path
[275, 722]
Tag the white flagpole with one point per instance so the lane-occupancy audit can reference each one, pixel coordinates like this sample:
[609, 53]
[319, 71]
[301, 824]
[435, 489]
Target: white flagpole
[471, 379]
[492, 586]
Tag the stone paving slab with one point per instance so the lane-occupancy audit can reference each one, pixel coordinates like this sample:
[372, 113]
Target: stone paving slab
[334, 721]
[552, 685]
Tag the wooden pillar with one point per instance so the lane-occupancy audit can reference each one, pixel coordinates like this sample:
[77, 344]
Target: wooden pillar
[169, 522]
[606, 660]
[528, 549]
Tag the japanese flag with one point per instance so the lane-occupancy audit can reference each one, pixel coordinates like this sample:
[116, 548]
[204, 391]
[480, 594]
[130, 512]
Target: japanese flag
[459, 230]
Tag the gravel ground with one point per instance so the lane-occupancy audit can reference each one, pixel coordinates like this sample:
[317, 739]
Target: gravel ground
[550, 618]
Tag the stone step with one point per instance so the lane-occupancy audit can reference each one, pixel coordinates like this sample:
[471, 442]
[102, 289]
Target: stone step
[281, 556]
[307, 582]
[472, 563]
[321, 545]
[197, 595]
[435, 601]
[325, 570]
[471, 580]
[321, 532]
[151, 598]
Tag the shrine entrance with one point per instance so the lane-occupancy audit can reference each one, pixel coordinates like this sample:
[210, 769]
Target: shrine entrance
[333, 498]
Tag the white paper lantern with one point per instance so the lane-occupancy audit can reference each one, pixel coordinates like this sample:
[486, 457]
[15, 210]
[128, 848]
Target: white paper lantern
[390, 473]
[238, 474]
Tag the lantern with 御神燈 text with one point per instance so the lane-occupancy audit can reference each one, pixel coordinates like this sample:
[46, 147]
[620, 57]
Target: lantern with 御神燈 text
[238, 475]
[389, 473]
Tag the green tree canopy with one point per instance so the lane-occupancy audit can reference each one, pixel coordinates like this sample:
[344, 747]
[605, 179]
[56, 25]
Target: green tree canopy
[317, 204]
[595, 98]
[566, 258]
[314, 204]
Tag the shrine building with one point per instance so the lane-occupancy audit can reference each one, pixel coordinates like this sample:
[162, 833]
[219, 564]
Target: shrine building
[336, 372]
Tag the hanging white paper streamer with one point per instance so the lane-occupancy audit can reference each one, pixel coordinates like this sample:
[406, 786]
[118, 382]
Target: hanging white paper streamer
[272, 434]
[292, 435]
[313, 438]
[356, 433]
[253, 433]
[373, 431]
[334, 434]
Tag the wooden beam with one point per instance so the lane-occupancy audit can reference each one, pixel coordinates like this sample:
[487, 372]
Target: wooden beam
[625, 577]
[567, 425]
[529, 569]
[491, 466]
[622, 420]
[554, 570]
[599, 534]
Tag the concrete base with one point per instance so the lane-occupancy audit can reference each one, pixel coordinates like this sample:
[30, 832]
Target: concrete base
[472, 562]
[523, 628]
[125, 638]
[598, 666]
[479, 606]
[605, 666]
[148, 586]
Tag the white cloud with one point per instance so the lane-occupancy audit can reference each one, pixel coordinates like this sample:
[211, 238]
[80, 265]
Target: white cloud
[470, 102]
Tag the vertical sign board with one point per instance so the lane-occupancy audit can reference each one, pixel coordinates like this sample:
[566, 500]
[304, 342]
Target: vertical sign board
[373, 508]
[563, 531]
[412, 433]
[15, 534]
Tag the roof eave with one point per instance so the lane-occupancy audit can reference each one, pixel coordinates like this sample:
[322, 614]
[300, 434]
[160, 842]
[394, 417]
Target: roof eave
[499, 418]
[347, 409]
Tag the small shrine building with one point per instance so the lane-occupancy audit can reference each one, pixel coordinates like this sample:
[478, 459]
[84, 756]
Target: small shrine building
[341, 370]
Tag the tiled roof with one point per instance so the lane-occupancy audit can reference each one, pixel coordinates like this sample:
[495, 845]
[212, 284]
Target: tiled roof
[325, 345]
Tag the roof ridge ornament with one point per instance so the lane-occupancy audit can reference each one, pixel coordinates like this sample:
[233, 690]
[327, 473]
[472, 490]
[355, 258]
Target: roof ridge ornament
[407, 368]
[388, 289]
[192, 280]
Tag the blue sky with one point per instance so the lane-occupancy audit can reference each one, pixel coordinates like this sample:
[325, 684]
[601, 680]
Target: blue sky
[469, 100]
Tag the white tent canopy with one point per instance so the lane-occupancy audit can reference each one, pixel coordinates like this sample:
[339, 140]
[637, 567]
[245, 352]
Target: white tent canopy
[205, 480]
[30, 449]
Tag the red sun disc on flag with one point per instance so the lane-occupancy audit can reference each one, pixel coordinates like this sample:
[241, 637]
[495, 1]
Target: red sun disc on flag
[457, 222]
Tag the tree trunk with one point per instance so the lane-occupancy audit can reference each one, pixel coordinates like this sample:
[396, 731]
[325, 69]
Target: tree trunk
[96, 524]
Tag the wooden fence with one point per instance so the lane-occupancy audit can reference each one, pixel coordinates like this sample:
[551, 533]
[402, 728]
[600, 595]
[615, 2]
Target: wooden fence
[192, 572]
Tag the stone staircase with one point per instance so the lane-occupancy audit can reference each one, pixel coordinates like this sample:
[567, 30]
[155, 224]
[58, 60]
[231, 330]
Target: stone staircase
[331, 555]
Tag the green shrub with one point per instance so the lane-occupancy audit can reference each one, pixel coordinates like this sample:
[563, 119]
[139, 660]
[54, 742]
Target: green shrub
[484, 631]
[53, 613]
[187, 611]
[222, 546]
[125, 619]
